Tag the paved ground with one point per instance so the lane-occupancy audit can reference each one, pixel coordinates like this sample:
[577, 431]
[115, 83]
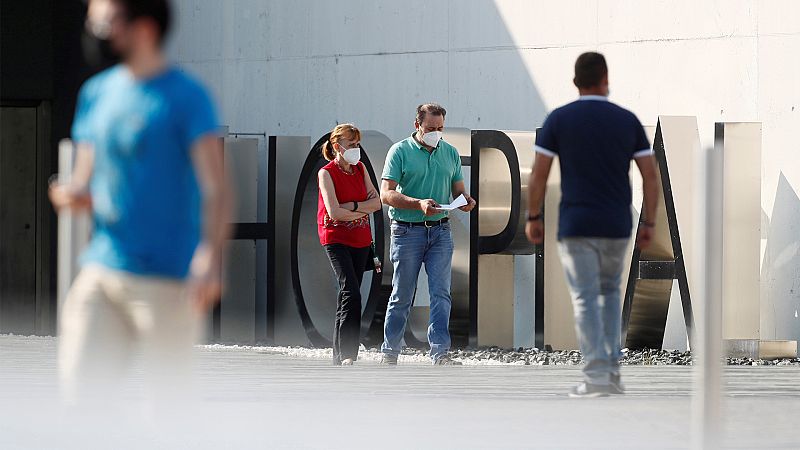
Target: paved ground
[259, 398]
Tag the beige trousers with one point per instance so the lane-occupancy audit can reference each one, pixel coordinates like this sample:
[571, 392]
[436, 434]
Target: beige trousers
[109, 318]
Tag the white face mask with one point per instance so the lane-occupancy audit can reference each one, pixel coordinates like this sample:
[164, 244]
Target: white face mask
[431, 139]
[352, 155]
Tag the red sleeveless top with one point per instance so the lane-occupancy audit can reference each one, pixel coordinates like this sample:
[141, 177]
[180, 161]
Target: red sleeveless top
[349, 188]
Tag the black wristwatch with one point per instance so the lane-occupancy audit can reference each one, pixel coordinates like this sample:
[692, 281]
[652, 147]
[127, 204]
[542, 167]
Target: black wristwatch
[355, 206]
[535, 218]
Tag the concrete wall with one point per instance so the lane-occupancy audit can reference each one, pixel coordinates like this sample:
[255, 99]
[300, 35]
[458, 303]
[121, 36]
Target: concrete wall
[301, 66]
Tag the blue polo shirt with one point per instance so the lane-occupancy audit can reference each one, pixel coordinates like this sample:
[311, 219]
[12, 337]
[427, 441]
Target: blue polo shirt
[145, 196]
[595, 141]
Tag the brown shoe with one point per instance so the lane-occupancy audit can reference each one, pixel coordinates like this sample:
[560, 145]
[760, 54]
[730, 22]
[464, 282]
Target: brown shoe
[446, 361]
[390, 360]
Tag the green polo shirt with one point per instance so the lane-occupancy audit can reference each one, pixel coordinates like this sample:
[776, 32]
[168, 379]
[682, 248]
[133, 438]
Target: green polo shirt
[421, 174]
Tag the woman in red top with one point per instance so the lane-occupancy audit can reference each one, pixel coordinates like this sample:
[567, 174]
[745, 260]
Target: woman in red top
[346, 199]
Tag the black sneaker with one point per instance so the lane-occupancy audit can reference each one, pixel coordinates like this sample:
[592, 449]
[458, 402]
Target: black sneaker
[390, 360]
[615, 386]
[586, 390]
[446, 361]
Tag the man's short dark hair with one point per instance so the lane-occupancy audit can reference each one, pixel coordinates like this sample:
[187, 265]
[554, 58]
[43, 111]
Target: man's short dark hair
[157, 10]
[434, 109]
[590, 69]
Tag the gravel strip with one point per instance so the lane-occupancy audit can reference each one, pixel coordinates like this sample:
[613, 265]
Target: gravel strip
[487, 356]
[520, 356]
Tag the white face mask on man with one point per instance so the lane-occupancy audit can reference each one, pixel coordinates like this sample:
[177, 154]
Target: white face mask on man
[351, 155]
[431, 138]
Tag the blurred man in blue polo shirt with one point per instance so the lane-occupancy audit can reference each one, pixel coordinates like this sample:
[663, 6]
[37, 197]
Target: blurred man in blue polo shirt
[595, 141]
[149, 167]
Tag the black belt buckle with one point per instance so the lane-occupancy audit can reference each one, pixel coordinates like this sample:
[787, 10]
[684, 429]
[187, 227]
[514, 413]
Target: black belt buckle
[433, 223]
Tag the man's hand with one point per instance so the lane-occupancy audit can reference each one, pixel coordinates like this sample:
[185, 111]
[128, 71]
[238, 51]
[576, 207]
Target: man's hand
[534, 230]
[644, 237]
[470, 204]
[71, 191]
[429, 207]
[66, 196]
[205, 286]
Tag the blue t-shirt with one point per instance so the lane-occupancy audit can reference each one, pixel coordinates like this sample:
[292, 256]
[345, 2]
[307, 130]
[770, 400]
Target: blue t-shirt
[595, 141]
[145, 196]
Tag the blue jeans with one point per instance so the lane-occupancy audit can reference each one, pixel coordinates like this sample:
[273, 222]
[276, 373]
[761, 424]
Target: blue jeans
[411, 247]
[594, 269]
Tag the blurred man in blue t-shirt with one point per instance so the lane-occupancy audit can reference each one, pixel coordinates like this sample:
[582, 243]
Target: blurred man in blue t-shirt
[149, 166]
[595, 141]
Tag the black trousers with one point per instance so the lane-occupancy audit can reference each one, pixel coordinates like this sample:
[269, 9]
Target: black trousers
[348, 265]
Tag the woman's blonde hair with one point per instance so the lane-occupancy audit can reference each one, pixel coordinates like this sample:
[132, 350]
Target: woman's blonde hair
[343, 131]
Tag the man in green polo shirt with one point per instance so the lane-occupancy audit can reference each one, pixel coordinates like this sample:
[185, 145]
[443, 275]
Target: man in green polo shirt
[421, 173]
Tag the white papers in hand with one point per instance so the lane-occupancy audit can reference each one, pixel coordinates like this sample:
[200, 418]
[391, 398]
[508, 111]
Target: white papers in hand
[457, 203]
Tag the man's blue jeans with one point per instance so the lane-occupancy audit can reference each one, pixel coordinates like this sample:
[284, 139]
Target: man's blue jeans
[411, 247]
[594, 269]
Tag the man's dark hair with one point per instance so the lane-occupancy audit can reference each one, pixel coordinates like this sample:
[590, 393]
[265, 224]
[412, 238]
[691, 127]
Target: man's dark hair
[590, 69]
[434, 109]
[157, 10]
